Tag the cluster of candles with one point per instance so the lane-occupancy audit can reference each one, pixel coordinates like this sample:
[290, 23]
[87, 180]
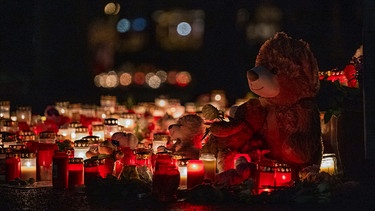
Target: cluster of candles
[35, 154]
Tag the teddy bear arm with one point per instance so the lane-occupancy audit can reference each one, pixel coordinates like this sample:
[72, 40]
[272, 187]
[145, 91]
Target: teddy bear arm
[225, 129]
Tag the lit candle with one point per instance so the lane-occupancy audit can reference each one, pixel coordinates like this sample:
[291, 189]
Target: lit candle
[160, 139]
[209, 163]
[328, 164]
[76, 173]
[195, 173]
[182, 168]
[127, 120]
[80, 132]
[28, 166]
[45, 155]
[283, 174]
[80, 148]
[98, 130]
[266, 179]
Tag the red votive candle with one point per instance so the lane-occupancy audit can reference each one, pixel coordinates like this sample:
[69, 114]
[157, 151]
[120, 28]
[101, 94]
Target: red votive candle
[75, 168]
[44, 159]
[166, 179]
[195, 173]
[105, 167]
[13, 167]
[60, 173]
[91, 171]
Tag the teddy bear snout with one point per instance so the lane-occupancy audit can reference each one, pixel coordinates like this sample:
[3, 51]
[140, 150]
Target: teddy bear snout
[252, 75]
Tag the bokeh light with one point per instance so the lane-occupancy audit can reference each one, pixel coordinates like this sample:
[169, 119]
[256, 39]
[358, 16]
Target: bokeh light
[183, 78]
[125, 79]
[139, 24]
[123, 25]
[183, 28]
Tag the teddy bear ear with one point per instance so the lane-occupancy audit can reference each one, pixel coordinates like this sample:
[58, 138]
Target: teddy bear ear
[280, 35]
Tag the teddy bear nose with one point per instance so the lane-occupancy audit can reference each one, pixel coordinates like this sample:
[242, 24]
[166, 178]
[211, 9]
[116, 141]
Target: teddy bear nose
[252, 76]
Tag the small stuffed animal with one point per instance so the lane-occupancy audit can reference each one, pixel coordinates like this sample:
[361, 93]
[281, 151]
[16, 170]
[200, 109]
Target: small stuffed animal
[284, 118]
[188, 133]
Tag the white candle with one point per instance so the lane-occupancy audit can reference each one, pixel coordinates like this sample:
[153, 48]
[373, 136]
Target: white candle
[28, 168]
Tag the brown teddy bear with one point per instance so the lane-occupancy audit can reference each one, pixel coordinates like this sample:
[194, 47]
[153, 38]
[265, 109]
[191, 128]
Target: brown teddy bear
[284, 119]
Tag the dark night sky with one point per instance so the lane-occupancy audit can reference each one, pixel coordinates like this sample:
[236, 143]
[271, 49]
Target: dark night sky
[43, 41]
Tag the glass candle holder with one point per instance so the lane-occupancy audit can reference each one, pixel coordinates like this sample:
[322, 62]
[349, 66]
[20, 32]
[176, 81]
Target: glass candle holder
[106, 166]
[5, 109]
[62, 107]
[128, 121]
[13, 166]
[76, 172]
[110, 127]
[93, 144]
[80, 148]
[28, 166]
[24, 114]
[44, 160]
[75, 112]
[60, 173]
[209, 165]
[159, 139]
[98, 130]
[91, 170]
[108, 103]
[3, 157]
[8, 125]
[8, 139]
[182, 168]
[72, 129]
[166, 180]
[195, 173]
[80, 132]
[329, 164]
[47, 137]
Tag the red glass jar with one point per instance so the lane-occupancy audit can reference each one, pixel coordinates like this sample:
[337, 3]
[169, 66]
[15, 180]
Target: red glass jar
[166, 179]
[13, 167]
[75, 168]
[106, 166]
[44, 161]
[3, 172]
[60, 173]
[91, 170]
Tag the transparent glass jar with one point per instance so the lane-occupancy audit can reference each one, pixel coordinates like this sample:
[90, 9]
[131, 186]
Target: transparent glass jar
[24, 114]
[72, 129]
[98, 130]
[108, 103]
[8, 139]
[28, 166]
[159, 139]
[47, 137]
[75, 112]
[81, 147]
[8, 125]
[63, 108]
[80, 132]
[110, 127]
[128, 121]
[93, 142]
[5, 109]
[209, 163]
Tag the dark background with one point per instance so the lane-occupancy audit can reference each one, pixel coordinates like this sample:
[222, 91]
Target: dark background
[44, 42]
